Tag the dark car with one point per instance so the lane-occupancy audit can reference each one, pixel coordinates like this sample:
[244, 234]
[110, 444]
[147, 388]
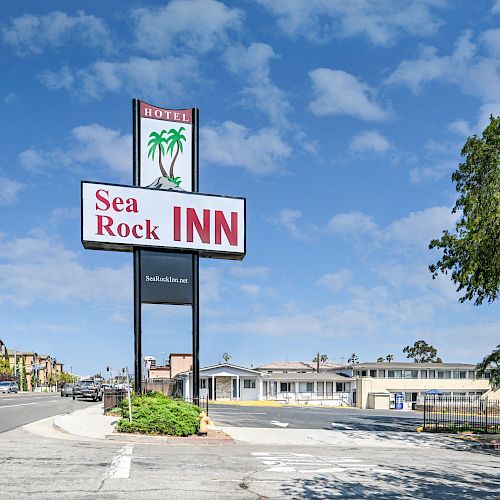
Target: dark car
[90, 389]
[77, 390]
[67, 390]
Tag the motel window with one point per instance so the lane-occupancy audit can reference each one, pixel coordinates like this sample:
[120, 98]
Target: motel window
[306, 387]
[329, 388]
[340, 387]
[321, 388]
[444, 374]
[363, 373]
[423, 373]
[487, 374]
[248, 384]
[373, 373]
[286, 387]
[432, 373]
[394, 373]
[471, 374]
[410, 374]
[459, 374]
[381, 374]
[203, 383]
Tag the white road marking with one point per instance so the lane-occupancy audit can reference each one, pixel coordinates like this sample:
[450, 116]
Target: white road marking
[342, 426]
[21, 404]
[279, 424]
[310, 464]
[120, 466]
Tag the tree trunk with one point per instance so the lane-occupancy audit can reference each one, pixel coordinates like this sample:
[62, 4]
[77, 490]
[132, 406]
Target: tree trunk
[162, 169]
[171, 173]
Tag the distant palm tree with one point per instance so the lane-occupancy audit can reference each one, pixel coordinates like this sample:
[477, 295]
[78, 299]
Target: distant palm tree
[389, 358]
[156, 142]
[380, 360]
[175, 138]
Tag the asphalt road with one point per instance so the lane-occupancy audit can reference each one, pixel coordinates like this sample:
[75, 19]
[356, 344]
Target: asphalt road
[44, 468]
[307, 417]
[21, 409]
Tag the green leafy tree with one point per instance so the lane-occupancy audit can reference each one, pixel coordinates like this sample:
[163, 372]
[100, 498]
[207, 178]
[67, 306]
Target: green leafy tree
[353, 359]
[5, 368]
[389, 358]
[472, 253]
[323, 358]
[174, 140]
[380, 359]
[24, 378]
[422, 352]
[491, 363]
[157, 142]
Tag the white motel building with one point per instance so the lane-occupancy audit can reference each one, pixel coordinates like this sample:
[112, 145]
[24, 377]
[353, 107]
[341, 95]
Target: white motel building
[363, 385]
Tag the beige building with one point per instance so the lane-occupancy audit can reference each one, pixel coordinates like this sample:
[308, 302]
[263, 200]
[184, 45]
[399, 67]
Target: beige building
[378, 383]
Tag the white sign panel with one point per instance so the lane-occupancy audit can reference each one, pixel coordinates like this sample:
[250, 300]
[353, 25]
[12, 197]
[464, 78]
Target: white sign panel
[116, 217]
[166, 147]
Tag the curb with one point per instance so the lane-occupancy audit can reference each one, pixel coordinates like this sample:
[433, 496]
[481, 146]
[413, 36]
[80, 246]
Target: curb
[165, 440]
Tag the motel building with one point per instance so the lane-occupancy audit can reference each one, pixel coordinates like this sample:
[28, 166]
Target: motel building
[364, 385]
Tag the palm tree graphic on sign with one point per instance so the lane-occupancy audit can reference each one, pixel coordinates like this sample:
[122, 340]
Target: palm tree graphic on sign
[174, 139]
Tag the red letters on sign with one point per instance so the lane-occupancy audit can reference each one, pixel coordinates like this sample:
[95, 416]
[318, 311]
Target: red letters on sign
[203, 230]
[193, 221]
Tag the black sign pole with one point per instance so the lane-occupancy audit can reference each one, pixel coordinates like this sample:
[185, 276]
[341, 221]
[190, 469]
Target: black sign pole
[196, 269]
[137, 255]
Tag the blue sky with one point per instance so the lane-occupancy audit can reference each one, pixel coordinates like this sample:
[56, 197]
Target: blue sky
[341, 122]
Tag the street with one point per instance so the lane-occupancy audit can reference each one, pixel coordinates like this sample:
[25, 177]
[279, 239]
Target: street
[21, 409]
[310, 417]
[372, 462]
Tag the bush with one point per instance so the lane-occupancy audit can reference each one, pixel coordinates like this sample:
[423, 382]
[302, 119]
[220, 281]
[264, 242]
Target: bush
[157, 414]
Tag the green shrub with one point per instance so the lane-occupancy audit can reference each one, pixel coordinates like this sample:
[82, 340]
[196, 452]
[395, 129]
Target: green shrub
[157, 414]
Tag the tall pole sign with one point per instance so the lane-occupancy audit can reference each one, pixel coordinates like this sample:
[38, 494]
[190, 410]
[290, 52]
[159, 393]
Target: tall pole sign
[166, 141]
[163, 219]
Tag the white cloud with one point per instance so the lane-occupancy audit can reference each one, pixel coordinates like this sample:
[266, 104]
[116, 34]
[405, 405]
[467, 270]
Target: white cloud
[254, 272]
[370, 141]
[460, 127]
[230, 144]
[475, 74]
[253, 65]
[152, 78]
[352, 223]
[336, 281]
[251, 289]
[87, 144]
[288, 219]
[439, 158]
[194, 25]
[30, 34]
[418, 228]
[382, 23]
[9, 189]
[64, 278]
[340, 93]
[491, 40]
[495, 9]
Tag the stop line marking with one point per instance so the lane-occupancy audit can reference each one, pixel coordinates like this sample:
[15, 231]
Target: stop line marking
[307, 463]
[120, 466]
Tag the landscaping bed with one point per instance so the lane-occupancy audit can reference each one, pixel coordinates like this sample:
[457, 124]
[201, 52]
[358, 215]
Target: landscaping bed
[158, 415]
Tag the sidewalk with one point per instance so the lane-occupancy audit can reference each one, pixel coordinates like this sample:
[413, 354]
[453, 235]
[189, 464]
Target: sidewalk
[89, 423]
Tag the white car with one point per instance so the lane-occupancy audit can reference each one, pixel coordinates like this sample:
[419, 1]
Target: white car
[7, 387]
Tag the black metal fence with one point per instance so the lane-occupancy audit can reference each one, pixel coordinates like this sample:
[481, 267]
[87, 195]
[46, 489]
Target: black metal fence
[461, 414]
[112, 398]
[201, 402]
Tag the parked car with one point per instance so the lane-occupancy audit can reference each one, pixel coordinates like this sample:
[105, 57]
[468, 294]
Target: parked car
[7, 387]
[89, 389]
[67, 390]
[77, 391]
